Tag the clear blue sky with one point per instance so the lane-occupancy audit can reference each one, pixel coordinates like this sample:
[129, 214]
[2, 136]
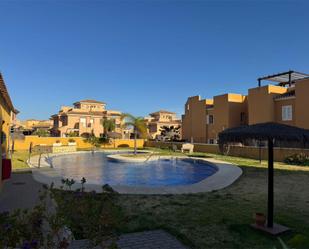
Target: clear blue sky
[141, 56]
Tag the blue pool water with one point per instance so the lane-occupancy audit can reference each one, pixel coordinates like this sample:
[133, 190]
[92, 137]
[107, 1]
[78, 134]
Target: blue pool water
[98, 169]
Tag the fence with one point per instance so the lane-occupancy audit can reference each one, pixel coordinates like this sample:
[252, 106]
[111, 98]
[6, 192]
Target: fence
[242, 151]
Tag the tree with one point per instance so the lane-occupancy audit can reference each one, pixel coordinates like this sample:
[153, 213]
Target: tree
[170, 133]
[108, 126]
[41, 133]
[139, 127]
[72, 134]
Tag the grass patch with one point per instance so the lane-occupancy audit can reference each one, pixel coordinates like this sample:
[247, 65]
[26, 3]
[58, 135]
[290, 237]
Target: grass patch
[19, 160]
[221, 219]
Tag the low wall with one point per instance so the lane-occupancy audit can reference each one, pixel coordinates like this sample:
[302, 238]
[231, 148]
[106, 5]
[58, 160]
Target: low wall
[63, 149]
[248, 152]
[24, 144]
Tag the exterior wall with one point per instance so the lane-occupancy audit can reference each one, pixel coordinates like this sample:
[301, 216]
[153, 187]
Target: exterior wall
[80, 143]
[159, 119]
[68, 119]
[302, 103]
[154, 128]
[6, 122]
[5, 119]
[238, 110]
[247, 152]
[194, 119]
[211, 132]
[31, 123]
[221, 115]
[226, 110]
[73, 122]
[278, 110]
[261, 106]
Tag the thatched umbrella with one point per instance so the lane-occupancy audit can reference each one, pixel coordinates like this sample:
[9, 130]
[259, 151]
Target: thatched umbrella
[270, 132]
[114, 135]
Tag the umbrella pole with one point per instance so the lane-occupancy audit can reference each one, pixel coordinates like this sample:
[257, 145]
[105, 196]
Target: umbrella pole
[270, 216]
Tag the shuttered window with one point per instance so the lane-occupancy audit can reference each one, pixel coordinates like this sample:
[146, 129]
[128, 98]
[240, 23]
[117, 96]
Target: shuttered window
[287, 113]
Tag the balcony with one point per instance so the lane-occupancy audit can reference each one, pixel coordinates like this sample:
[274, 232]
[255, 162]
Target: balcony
[288, 95]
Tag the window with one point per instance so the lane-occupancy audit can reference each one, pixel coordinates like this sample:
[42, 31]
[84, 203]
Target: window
[83, 122]
[211, 141]
[210, 119]
[188, 107]
[287, 114]
[242, 117]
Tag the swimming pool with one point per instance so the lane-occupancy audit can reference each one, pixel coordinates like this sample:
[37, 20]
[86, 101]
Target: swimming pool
[98, 169]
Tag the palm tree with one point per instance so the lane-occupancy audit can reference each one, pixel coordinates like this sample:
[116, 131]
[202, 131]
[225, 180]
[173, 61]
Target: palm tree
[138, 124]
[108, 125]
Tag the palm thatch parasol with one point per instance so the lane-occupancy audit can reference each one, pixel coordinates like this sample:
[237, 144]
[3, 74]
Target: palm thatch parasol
[114, 135]
[270, 132]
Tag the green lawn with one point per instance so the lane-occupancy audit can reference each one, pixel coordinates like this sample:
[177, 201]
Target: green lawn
[221, 219]
[19, 160]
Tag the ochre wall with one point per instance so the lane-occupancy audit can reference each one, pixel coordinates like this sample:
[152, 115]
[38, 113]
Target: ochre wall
[261, 103]
[221, 115]
[226, 111]
[248, 152]
[302, 103]
[194, 120]
[81, 144]
[278, 110]
[5, 119]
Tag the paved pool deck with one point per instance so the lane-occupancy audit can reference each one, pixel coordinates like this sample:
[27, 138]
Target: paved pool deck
[227, 173]
[19, 192]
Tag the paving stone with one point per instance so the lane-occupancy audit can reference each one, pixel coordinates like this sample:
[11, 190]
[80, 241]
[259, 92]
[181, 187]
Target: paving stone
[157, 239]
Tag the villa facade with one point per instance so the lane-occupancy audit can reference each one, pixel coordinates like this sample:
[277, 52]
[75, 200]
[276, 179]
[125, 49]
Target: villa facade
[156, 120]
[8, 118]
[31, 125]
[84, 118]
[283, 103]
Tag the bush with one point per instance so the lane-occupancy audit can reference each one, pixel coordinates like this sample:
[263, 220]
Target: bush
[89, 215]
[123, 146]
[71, 140]
[72, 134]
[297, 159]
[299, 241]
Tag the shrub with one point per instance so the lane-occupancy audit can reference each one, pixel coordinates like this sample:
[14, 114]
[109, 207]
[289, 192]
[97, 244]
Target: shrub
[72, 134]
[71, 140]
[297, 159]
[89, 215]
[299, 241]
[58, 141]
[123, 146]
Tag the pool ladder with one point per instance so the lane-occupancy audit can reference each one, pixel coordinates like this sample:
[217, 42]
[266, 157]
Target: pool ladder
[149, 157]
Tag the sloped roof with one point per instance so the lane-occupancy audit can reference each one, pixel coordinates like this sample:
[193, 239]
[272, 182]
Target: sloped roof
[96, 113]
[162, 111]
[90, 101]
[5, 95]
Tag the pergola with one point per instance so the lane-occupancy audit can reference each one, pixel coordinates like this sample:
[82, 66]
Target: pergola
[269, 132]
[285, 78]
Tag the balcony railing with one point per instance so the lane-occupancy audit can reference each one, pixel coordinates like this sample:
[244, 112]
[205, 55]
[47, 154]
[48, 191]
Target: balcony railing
[285, 95]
